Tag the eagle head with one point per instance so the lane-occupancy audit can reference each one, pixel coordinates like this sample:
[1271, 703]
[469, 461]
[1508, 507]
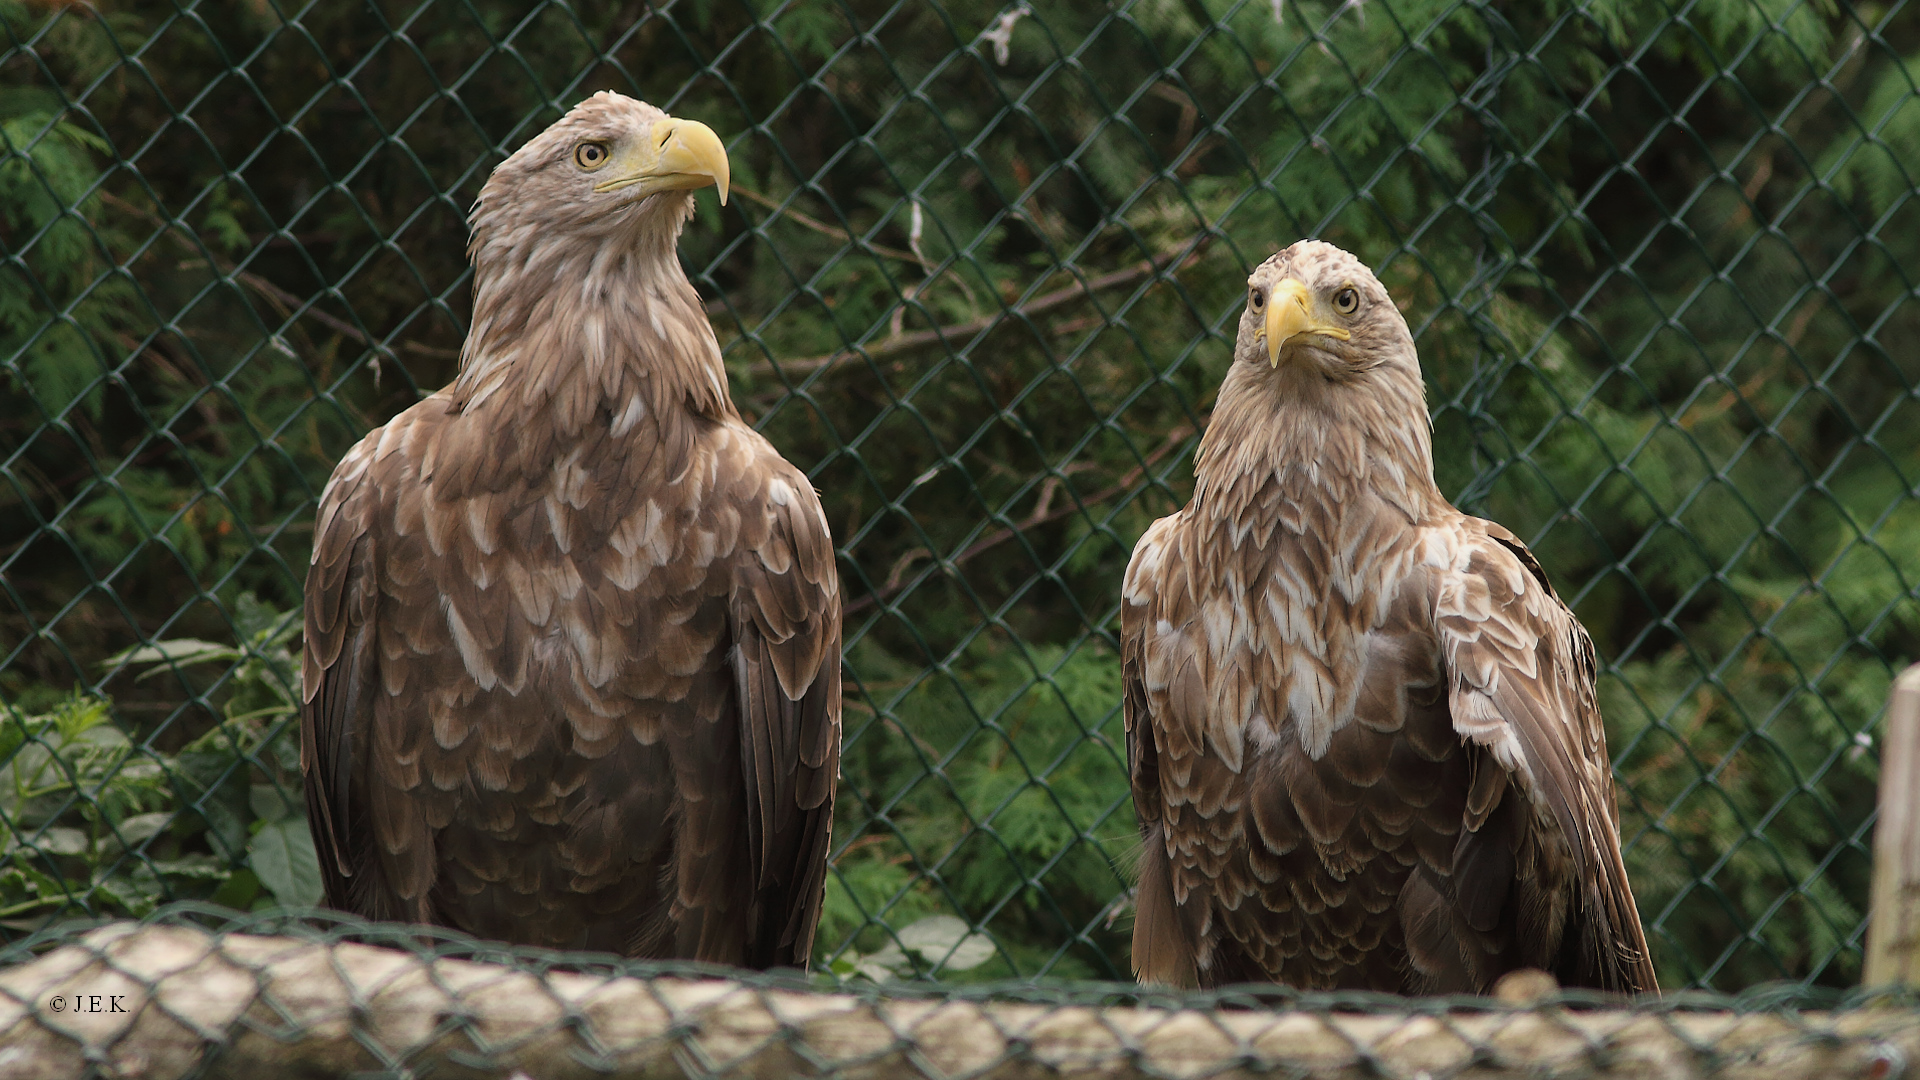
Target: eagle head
[1317, 314]
[575, 273]
[1324, 374]
[611, 165]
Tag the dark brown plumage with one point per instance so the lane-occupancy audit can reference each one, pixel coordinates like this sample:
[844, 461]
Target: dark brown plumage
[572, 656]
[1362, 730]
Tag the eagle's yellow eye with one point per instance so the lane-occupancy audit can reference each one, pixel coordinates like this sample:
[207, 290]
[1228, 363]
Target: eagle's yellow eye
[1347, 300]
[591, 155]
[1256, 299]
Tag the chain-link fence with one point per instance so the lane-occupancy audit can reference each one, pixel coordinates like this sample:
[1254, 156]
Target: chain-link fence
[333, 998]
[979, 280]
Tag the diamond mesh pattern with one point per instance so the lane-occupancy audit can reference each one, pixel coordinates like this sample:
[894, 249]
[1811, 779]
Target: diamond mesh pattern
[979, 280]
[197, 992]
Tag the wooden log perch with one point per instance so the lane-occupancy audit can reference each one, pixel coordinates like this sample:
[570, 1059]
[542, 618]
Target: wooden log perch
[1893, 934]
[169, 1001]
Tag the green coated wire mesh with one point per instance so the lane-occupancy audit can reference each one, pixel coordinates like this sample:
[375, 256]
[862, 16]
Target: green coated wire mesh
[194, 992]
[979, 279]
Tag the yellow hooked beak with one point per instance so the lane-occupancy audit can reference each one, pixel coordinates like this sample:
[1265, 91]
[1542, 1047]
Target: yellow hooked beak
[675, 155]
[1290, 314]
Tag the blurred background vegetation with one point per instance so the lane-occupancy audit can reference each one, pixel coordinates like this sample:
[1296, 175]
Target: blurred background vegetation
[978, 278]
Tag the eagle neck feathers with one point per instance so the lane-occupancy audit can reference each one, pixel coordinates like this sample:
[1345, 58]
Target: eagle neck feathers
[1308, 508]
[1284, 437]
[585, 333]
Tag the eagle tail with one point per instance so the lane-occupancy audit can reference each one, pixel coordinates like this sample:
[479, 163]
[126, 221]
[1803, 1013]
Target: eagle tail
[1162, 952]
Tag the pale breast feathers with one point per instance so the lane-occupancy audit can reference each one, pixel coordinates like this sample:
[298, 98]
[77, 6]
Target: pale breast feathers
[1257, 722]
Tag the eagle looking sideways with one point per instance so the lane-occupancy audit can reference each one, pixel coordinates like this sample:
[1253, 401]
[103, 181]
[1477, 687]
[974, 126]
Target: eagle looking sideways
[572, 652]
[1361, 728]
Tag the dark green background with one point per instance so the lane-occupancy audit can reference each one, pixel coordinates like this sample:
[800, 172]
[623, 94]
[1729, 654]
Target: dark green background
[1660, 259]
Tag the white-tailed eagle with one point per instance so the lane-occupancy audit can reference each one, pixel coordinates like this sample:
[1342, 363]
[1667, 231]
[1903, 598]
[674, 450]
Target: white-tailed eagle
[572, 659]
[1362, 730]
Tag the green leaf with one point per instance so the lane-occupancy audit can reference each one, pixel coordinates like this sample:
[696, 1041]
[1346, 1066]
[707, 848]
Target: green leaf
[270, 804]
[196, 867]
[238, 891]
[947, 941]
[213, 783]
[165, 655]
[140, 827]
[137, 893]
[61, 840]
[282, 857]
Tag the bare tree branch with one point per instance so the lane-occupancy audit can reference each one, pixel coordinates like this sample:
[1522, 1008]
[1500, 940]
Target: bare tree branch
[1041, 516]
[825, 229]
[918, 338]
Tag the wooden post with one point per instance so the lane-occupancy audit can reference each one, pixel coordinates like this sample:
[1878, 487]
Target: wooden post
[1893, 935]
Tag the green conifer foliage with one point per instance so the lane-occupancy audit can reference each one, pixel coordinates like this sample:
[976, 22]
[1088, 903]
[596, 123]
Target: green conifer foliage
[980, 277]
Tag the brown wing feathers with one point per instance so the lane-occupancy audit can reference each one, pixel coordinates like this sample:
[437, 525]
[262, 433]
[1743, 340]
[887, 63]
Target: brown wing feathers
[1528, 660]
[337, 641]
